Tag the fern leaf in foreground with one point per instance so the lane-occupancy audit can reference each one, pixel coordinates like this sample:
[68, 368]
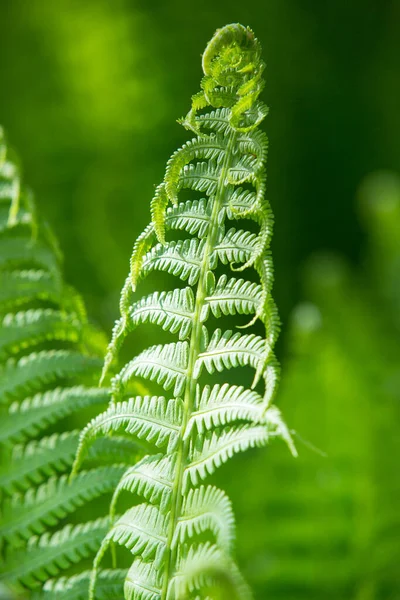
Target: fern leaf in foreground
[181, 532]
[49, 363]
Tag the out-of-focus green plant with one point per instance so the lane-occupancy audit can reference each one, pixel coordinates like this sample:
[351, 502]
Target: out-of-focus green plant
[329, 526]
[50, 359]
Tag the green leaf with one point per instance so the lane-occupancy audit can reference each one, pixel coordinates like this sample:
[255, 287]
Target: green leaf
[215, 448]
[192, 216]
[223, 405]
[206, 569]
[31, 372]
[109, 586]
[234, 296]
[206, 509]
[22, 253]
[50, 554]
[150, 418]
[199, 177]
[152, 478]
[142, 582]
[23, 330]
[38, 460]
[236, 246]
[141, 530]
[33, 415]
[164, 364]
[52, 501]
[20, 287]
[182, 259]
[227, 350]
[173, 311]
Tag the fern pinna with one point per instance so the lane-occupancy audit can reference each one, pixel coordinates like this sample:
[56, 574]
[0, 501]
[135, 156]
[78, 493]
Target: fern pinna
[49, 366]
[181, 535]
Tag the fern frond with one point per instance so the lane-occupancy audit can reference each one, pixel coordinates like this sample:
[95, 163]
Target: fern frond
[109, 586]
[142, 582]
[18, 288]
[227, 350]
[39, 459]
[181, 259]
[192, 216]
[201, 426]
[141, 530]
[25, 329]
[24, 253]
[29, 373]
[199, 177]
[32, 513]
[209, 147]
[47, 555]
[215, 120]
[49, 357]
[236, 246]
[31, 416]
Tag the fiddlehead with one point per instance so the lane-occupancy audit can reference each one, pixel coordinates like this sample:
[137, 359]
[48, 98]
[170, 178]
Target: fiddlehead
[183, 528]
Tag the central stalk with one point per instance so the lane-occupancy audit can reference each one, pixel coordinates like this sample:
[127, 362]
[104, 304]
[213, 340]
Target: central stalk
[194, 350]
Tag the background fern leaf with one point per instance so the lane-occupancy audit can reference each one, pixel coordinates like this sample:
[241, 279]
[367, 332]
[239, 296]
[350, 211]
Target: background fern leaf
[49, 357]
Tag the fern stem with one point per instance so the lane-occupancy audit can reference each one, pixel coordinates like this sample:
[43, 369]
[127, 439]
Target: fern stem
[194, 351]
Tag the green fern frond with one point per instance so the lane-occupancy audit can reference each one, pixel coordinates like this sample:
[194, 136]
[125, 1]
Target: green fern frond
[29, 328]
[45, 506]
[29, 417]
[142, 530]
[37, 460]
[227, 350]
[182, 259]
[109, 586]
[49, 358]
[222, 170]
[40, 369]
[18, 288]
[49, 554]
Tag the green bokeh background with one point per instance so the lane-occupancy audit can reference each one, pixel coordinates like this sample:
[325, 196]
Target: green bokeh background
[90, 93]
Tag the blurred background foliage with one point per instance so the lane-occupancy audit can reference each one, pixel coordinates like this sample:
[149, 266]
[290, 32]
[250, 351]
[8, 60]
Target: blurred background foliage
[89, 94]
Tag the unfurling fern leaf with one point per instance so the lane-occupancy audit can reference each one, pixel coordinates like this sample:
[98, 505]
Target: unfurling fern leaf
[49, 366]
[181, 533]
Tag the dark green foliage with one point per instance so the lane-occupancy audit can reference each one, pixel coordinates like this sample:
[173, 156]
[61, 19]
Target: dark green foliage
[329, 526]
